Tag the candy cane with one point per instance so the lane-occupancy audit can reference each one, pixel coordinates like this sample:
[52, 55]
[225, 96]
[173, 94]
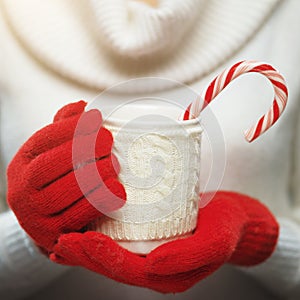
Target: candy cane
[228, 75]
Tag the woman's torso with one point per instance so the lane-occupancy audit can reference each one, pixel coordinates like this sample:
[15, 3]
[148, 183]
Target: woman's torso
[31, 94]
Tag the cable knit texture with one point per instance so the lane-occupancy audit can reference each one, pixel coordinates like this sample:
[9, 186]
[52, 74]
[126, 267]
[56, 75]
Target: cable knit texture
[160, 166]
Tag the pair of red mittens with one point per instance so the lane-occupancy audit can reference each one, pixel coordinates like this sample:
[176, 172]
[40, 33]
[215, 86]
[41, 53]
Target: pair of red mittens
[44, 193]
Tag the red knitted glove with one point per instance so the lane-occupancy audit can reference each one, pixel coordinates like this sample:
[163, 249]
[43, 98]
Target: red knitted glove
[231, 228]
[42, 187]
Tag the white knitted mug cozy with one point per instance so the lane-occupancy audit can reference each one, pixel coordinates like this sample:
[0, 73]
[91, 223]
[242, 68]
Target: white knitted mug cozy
[160, 166]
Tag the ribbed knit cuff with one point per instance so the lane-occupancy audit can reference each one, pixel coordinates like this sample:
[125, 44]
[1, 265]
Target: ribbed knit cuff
[280, 273]
[23, 269]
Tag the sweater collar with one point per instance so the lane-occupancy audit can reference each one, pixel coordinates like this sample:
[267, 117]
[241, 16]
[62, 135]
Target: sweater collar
[98, 43]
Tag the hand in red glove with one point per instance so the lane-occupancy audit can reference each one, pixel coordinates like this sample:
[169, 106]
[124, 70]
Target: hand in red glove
[232, 228]
[42, 188]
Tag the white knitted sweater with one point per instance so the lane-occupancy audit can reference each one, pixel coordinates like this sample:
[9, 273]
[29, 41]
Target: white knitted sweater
[38, 76]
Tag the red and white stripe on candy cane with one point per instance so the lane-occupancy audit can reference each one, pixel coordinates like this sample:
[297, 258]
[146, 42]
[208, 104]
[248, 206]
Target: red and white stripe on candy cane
[227, 76]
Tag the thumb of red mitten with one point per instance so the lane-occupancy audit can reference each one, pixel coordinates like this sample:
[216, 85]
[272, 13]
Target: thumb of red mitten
[70, 110]
[259, 233]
